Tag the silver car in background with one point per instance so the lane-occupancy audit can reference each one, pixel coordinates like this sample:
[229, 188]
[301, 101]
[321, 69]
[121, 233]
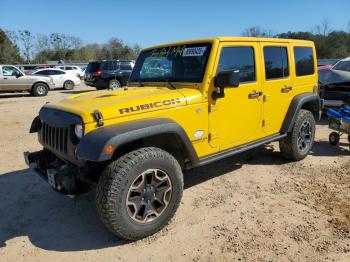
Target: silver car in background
[12, 79]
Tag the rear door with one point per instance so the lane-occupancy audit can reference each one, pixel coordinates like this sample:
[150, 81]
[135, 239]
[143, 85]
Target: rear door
[277, 84]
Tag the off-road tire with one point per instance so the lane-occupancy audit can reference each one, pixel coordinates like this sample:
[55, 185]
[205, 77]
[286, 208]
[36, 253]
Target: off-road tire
[40, 89]
[289, 145]
[68, 85]
[114, 84]
[114, 184]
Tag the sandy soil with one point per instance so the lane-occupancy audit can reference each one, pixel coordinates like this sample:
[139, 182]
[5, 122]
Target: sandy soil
[251, 207]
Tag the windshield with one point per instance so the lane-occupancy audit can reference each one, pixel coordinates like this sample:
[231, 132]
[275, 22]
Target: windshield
[342, 66]
[180, 63]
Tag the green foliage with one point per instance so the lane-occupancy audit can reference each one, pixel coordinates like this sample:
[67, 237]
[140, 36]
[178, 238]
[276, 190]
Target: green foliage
[9, 53]
[336, 44]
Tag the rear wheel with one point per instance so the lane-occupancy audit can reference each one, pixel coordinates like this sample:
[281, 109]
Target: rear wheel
[40, 89]
[298, 143]
[68, 85]
[138, 194]
[114, 84]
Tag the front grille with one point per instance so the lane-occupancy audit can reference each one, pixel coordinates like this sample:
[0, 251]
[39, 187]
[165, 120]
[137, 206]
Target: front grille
[55, 137]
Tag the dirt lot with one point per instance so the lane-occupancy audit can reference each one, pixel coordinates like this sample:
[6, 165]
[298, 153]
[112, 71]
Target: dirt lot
[252, 207]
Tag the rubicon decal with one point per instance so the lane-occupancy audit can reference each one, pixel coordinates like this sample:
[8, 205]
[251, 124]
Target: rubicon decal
[149, 106]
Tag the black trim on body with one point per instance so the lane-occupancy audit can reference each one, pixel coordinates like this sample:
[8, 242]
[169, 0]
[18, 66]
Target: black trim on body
[239, 149]
[297, 103]
[92, 145]
[55, 124]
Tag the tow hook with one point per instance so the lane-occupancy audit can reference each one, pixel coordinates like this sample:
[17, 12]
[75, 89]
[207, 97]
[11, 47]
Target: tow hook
[98, 117]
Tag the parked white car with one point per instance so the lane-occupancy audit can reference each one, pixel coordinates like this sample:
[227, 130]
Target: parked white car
[62, 79]
[73, 69]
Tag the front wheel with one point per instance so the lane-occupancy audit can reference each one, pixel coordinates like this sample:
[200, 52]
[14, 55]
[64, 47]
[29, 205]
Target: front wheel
[40, 89]
[138, 194]
[298, 143]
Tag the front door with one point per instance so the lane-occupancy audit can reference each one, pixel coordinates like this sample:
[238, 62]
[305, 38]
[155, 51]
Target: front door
[277, 87]
[12, 79]
[235, 118]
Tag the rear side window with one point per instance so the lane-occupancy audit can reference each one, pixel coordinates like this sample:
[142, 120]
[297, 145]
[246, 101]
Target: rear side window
[304, 61]
[125, 66]
[276, 62]
[238, 58]
[110, 66]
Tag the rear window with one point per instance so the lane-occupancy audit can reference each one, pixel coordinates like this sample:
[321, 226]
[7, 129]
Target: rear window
[304, 61]
[276, 62]
[92, 66]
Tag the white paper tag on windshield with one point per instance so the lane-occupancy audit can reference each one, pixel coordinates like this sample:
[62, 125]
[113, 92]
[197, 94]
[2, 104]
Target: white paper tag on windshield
[194, 51]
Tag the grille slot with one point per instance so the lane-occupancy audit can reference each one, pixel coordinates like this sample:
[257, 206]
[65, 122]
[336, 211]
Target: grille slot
[55, 137]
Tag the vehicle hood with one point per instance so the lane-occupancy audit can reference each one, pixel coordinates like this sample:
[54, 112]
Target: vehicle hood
[329, 77]
[126, 102]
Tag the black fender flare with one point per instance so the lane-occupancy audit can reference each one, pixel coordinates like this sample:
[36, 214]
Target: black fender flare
[310, 101]
[91, 146]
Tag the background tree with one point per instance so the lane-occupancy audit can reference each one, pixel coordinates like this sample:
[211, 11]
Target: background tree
[27, 42]
[257, 31]
[9, 53]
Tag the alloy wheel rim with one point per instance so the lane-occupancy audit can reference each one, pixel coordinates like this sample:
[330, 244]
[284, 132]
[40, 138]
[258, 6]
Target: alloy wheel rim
[69, 85]
[149, 196]
[40, 89]
[304, 136]
[114, 85]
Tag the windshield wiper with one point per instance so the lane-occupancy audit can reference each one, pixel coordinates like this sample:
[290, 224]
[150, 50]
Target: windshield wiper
[171, 85]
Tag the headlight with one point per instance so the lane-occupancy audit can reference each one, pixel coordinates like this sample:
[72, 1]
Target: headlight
[79, 131]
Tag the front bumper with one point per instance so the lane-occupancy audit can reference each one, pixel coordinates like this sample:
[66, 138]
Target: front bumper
[59, 175]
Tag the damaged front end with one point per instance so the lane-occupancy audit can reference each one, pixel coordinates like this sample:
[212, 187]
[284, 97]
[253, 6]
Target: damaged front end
[60, 175]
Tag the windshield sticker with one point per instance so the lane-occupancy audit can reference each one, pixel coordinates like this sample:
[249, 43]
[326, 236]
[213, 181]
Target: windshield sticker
[171, 51]
[194, 51]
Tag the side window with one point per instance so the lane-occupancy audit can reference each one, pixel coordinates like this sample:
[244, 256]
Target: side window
[238, 58]
[42, 72]
[125, 66]
[69, 68]
[10, 71]
[276, 62]
[304, 61]
[109, 66]
[59, 72]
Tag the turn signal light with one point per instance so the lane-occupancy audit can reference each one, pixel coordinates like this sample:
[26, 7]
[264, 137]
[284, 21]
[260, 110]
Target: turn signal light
[108, 149]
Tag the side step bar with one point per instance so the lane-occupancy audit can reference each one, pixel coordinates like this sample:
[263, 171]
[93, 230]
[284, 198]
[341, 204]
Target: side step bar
[239, 149]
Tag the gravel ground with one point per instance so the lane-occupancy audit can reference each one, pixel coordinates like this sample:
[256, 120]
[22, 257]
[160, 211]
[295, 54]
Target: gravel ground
[251, 207]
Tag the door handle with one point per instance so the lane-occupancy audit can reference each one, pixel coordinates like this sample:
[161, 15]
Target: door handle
[5, 78]
[286, 89]
[255, 95]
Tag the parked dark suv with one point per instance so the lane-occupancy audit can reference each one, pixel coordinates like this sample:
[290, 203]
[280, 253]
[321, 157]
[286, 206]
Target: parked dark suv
[108, 73]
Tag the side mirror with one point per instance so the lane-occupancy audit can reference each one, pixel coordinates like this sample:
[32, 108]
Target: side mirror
[225, 79]
[18, 74]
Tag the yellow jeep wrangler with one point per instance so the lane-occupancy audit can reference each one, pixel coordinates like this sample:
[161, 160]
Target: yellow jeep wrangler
[187, 104]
